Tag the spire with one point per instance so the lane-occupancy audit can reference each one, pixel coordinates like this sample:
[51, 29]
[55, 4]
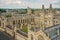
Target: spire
[29, 10]
[43, 8]
[50, 7]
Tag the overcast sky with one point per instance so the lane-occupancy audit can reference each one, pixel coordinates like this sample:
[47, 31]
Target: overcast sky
[28, 3]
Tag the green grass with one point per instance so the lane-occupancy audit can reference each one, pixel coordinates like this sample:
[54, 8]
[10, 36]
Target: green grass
[25, 29]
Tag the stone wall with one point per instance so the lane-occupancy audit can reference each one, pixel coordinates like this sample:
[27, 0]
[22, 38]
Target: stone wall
[20, 37]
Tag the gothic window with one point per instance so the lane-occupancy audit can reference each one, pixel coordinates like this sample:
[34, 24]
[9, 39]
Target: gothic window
[31, 37]
[40, 37]
[3, 24]
[56, 21]
[19, 22]
[23, 20]
[45, 20]
[0, 23]
[13, 22]
[49, 22]
[41, 24]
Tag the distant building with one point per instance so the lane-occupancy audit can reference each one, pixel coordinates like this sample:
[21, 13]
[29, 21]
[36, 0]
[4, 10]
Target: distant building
[41, 25]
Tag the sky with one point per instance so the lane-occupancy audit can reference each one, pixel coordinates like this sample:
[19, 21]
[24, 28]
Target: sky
[29, 3]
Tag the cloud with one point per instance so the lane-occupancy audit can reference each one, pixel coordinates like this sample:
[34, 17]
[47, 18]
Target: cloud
[54, 1]
[14, 2]
[6, 2]
[30, 3]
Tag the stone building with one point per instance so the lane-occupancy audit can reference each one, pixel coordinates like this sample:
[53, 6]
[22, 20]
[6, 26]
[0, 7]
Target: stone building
[40, 25]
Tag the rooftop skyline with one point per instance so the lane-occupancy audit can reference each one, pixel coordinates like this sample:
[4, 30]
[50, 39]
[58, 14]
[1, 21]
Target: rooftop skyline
[29, 3]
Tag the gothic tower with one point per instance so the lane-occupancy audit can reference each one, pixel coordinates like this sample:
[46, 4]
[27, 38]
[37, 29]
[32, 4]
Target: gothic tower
[42, 17]
[50, 8]
[29, 11]
[43, 9]
[50, 16]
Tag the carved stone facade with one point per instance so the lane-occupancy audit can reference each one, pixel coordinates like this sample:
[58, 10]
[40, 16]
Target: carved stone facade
[38, 23]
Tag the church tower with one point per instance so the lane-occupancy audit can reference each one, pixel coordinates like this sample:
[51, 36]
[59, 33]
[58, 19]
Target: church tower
[42, 17]
[29, 11]
[50, 16]
[43, 9]
[50, 8]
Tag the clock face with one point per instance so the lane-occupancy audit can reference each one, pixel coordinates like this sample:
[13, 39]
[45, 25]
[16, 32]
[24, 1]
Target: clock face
[40, 37]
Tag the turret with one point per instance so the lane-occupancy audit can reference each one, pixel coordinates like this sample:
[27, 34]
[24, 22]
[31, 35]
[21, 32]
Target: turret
[50, 8]
[29, 11]
[43, 9]
[51, 14]
[42, 17]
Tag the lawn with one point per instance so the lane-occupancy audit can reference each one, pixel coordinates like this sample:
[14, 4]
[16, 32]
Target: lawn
[25, 29]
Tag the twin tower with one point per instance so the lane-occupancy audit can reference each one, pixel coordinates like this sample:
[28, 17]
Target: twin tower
[29, 11]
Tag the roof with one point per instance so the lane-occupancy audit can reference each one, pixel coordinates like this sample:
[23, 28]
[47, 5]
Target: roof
[52, 27]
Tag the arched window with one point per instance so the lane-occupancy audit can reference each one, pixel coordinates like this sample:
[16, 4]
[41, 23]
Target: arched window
[13, 22]
[3, 25]
[0, 23]
[19, 22]
[40, 37]
[31, 37]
